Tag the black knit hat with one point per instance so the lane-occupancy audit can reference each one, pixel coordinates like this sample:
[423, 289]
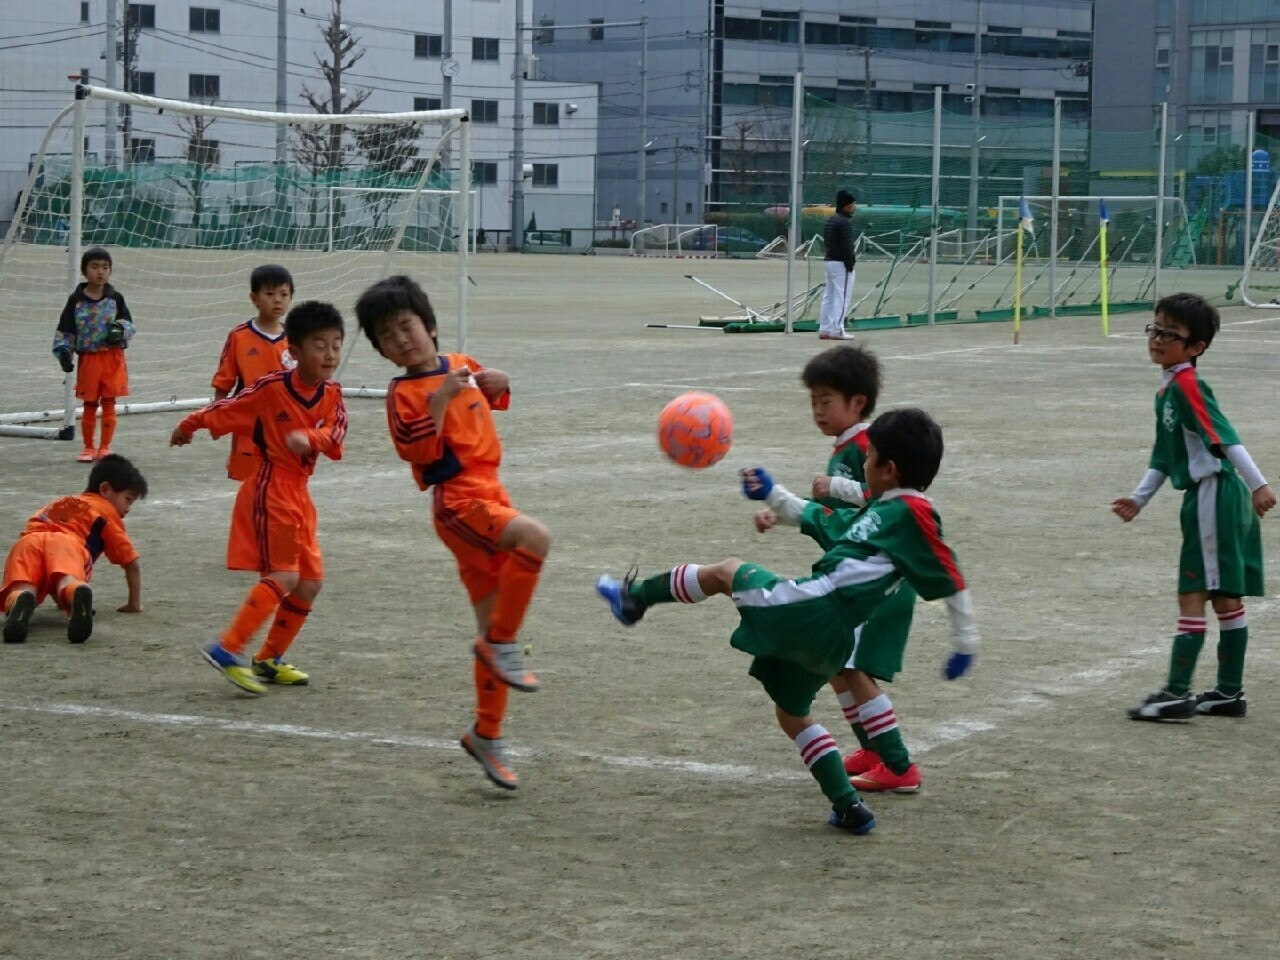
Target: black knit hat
[844, 198]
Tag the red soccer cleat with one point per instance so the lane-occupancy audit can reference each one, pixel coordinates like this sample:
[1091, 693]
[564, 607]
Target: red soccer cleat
[880, 779]
[860, 761]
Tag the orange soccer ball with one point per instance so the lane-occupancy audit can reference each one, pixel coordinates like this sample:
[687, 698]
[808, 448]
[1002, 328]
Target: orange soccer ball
[695, 430]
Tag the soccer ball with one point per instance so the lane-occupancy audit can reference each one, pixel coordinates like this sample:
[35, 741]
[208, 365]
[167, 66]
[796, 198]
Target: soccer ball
[695, 430]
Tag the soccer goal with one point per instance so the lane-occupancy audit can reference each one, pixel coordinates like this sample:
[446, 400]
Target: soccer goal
[676, 240]
[1132, 232]
[202, 195]
[1260, 282]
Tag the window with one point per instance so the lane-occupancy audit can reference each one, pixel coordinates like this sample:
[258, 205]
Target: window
[143, 16]
[547, 35]
[663, 207]
[428, 46]
[546, 114]
[203, 153]
[1162, 57]
[142, 150]
[546, 174]
[426, 103]
[484, 172]
[595, 33]
[203, 86]
[84, 11]
[484, 111]
[688, 208]
[205, 20]
[144, 82]
[484, 48]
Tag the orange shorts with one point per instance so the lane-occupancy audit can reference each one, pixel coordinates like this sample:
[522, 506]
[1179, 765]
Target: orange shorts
[470, 522]
[273, 526]
[244, 459]
[43, 559]
[102, 375]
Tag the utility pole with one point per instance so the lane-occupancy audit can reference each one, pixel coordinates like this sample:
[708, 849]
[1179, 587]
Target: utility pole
[517, 138]
[282, 106]
[975, 123]
[109, 75]
[675, 184]
[644, 123]
[446, 87]
[866, 105]
[129, 29]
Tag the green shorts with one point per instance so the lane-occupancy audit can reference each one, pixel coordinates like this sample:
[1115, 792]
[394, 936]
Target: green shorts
[1221, 539]
[880, 642]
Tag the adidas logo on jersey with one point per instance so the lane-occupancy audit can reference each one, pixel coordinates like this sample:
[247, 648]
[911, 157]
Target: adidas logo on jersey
[282, 416]
[253, 352]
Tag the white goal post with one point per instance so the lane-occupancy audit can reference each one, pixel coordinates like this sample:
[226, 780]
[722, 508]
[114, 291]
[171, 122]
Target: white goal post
[1260, 281]
[201, 195]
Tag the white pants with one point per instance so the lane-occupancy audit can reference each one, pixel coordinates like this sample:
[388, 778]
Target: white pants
[836, 296]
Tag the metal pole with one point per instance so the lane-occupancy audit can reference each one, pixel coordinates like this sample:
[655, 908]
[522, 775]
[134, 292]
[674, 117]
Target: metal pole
[975, 122]
[446, 88]
[642, 184]
[130, 35]
[517, 137]
[1160, 176]
[463, 210]
[675, 185]
[1053, 207]
[866, 105]
[933, 216]
[282, 106]
[75, 229]
[1250, 130]
[109, 75]
[793, 212]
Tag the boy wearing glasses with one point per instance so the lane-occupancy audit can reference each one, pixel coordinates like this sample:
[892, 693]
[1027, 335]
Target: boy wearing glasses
[1221, 561]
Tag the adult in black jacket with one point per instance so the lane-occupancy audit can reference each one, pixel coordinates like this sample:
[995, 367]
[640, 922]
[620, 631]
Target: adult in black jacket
[837, 235]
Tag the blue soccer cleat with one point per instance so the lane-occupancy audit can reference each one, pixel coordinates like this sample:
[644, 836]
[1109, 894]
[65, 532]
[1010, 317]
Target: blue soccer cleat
[856, 818]
[626, 609]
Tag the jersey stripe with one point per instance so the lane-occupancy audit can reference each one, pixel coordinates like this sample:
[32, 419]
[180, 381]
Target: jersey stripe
[922, 511]
[1189, 384]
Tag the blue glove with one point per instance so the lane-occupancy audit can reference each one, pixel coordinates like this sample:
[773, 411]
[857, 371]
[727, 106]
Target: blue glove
[756, 483]
[957, 665]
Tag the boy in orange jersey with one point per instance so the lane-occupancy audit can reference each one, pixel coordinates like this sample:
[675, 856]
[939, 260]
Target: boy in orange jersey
[439, 414]
[96, 327]
[292, 416]
[254, 349]
[55, 554]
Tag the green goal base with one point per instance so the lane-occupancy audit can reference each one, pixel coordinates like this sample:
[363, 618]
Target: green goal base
[897, 321]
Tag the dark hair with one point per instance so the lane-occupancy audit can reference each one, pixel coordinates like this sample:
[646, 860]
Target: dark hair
[849, 371]
[92, 254]
[1195, 313]
[117, 473]
[912, 440]
[390, 296]
[309, 317]
[269, 275]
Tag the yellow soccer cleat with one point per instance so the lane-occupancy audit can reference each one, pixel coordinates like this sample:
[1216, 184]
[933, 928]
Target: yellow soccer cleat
[230, 666]
[275, 670]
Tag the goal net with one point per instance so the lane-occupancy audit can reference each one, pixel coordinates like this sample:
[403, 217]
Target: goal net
[1260, 282]
[676, 240]
[201, 196]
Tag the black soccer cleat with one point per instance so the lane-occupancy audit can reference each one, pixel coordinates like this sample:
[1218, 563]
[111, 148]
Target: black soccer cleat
[626, 609]
[1163, 705]
[1216, 704]
[855, 818]
[81, 624]
[18, 622]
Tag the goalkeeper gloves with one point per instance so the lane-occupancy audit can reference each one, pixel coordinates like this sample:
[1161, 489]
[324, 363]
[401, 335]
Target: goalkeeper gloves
[64, 359]
[115, 334]
[756, 483]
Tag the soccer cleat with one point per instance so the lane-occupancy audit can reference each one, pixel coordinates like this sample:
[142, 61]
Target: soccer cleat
[856, 818]
[506, 662]
[880, 779]
[18, 622]
[1211, 702]
[80, 626]
[626, 609]
[492, 756]
[275, 670]
[87, 455]
[860, 761]
[232, 667]
[1163, 705]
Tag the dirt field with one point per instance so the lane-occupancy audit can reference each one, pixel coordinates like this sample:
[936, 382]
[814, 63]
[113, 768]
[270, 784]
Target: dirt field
[149, 811]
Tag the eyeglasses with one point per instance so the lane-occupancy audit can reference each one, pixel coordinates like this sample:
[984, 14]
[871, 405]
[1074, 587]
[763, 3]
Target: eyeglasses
[1165, 335]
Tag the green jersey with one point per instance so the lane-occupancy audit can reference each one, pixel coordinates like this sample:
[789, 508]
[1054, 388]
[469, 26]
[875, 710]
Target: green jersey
[1191, 431]
[848, 462]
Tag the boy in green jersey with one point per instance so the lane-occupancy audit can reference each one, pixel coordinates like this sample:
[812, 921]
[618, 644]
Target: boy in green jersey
[801, 631]
[844, 384]
[1224, 494]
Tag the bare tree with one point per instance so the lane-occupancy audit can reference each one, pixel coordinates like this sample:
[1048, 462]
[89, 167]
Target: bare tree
[391, 153]
[202, 157]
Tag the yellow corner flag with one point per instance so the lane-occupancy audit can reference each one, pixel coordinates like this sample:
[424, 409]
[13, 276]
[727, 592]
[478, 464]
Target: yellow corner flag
[1025, 224]
[1103, 220]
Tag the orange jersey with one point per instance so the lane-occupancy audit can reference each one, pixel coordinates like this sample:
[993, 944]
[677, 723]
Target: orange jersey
[92, 522]
[248, 355]
[467, 441]
[274, 407]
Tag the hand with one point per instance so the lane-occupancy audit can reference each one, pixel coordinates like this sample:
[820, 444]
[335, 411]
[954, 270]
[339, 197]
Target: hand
[1126, 508]
[756, 483]
[298, 442]
[130, 608]
[493, 383]
[64, 360]
[821, 488]
[957, 665]
[453, 383]
[765, 520]
[115, 334]
[1263, 499]
[178, 438]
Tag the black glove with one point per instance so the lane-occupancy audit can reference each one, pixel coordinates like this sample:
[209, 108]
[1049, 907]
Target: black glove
[64, 360]
[115, 334]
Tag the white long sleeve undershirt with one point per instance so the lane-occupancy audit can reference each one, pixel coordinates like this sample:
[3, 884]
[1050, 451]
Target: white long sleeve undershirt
[848, 490]
[1248, 470]
[1152, 480]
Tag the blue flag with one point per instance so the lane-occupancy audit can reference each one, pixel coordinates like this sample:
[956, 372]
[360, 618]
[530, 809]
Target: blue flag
[1024, 214]
[1103, 216]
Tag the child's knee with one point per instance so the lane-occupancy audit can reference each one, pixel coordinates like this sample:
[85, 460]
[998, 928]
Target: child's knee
[537, 538]
[307, 590]
[286, 580]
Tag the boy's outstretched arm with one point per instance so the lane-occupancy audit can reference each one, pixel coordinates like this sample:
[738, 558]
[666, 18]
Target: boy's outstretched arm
[133, 580]
[1126, 508]
[841, 488]
[787, 508]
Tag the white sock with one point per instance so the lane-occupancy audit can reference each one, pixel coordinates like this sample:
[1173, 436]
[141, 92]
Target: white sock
[877, 716]
[848, 705]
[684, 583]
[814, 743]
